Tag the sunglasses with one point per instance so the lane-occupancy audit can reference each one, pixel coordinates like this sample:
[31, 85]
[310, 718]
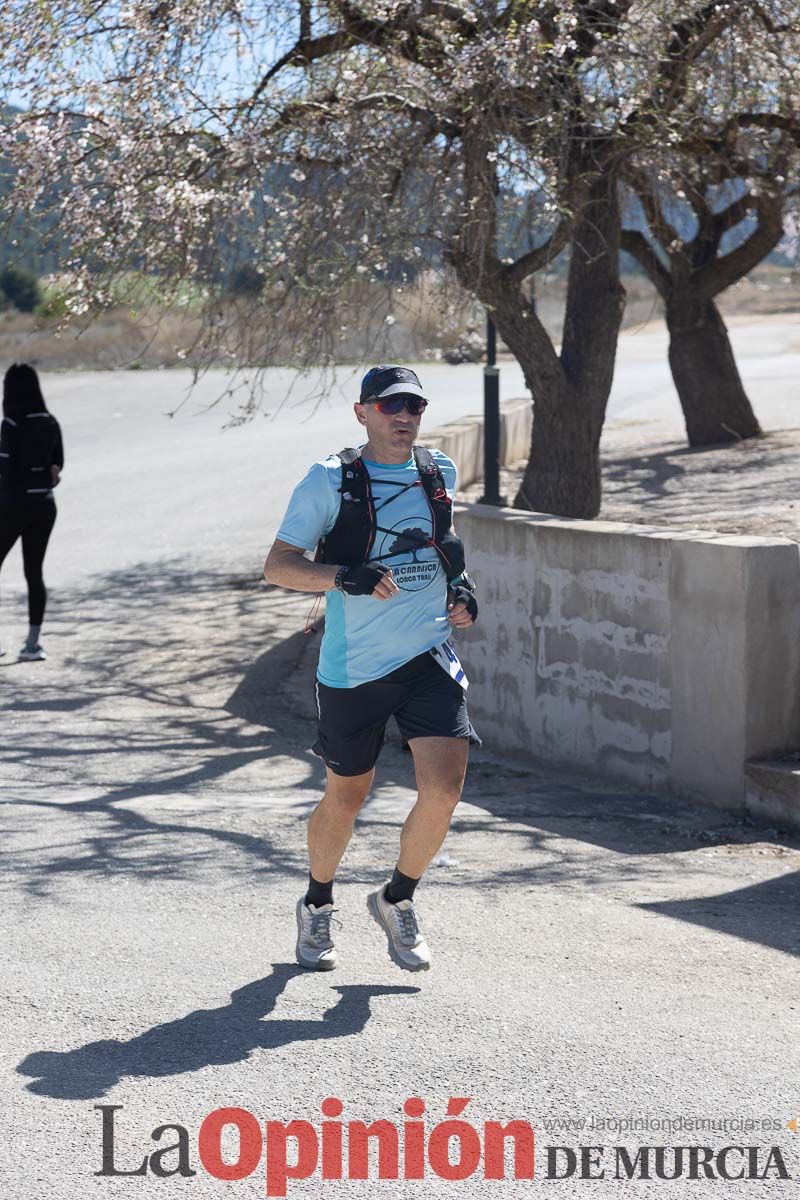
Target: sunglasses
[395, 404]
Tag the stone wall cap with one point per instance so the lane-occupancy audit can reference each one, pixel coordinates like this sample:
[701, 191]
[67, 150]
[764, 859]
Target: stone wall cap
[544, 521]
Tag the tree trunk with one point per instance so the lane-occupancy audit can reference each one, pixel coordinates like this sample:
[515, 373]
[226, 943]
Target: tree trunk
[563, 472]
[570, 390]
[714, 402]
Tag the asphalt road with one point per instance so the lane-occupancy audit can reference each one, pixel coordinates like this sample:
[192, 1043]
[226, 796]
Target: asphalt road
[141, 486]
[600, 956]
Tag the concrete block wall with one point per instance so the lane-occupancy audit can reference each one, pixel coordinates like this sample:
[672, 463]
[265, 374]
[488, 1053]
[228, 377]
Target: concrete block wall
[662, 658]
[463, 440]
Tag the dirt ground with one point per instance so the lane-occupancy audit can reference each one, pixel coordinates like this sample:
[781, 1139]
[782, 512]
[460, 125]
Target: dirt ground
[652, 477]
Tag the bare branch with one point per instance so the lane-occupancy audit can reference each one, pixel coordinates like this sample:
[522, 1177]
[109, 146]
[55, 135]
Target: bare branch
[768, 23]
[728, 217]
[360, 29]
[636, 244]
[690, 37]
[787, 123]
[391, 102]
[647, 193]
[712, 279]
[596, 18]
[329, 107]
[300, 55]
[537, 258]
[462, 22]
[305, 22]
[419, 45]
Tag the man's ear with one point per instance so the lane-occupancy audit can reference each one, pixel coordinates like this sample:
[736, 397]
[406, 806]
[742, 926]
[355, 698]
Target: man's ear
[361, 416]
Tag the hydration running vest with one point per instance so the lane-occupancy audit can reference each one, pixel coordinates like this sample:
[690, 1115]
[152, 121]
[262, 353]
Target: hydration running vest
[352, 537]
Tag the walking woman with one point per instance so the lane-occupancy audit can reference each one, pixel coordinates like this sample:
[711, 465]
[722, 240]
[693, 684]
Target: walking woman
[31, 459]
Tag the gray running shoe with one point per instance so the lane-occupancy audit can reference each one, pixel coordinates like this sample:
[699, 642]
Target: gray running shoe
[27, 654]
[400, 922]
[315, 949]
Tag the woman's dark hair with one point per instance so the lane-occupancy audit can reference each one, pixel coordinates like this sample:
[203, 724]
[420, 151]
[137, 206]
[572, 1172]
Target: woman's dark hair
[22, 393]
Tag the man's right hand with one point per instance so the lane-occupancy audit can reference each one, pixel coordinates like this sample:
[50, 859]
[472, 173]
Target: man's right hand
[366, 580]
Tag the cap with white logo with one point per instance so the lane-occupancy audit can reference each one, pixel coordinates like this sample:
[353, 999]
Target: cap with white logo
[383, 381]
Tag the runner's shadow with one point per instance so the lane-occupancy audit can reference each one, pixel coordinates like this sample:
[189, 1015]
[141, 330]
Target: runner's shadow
[204, 1038]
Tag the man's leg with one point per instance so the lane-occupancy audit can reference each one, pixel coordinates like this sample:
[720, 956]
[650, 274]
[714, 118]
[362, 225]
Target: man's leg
[330, 826]
[440, 764]
[351, 723]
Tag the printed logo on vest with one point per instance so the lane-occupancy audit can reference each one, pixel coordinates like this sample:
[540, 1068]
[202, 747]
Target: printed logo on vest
[414, 564]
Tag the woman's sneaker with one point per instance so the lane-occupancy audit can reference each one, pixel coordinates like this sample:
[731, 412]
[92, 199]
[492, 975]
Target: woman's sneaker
[28, 654]
[315, 949]
[400, 922]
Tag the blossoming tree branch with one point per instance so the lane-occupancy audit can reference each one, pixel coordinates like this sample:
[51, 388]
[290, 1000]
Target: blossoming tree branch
[323, 144]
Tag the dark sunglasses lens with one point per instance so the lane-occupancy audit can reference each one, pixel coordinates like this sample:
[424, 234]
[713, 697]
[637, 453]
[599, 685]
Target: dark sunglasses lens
[394, 404]
[391, 405]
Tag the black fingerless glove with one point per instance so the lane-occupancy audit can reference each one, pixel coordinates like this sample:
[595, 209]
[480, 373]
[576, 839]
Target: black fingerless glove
[359, 581]
[462, 595]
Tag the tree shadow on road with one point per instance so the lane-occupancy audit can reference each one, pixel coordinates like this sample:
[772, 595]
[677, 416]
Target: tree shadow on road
[766, 912]
[161, 654]
[634, 826]
[181, 679]
[206, 1037]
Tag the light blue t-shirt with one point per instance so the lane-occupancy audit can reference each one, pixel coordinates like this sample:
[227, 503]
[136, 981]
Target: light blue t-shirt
[366, 638]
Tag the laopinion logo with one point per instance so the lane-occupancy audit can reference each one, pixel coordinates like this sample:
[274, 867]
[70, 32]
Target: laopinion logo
[232, 1145]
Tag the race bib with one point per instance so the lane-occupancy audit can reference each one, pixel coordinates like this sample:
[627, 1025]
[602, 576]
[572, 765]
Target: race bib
[448, 660]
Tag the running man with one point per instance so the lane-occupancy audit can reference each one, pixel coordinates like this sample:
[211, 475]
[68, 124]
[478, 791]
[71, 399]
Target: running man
[380, 521]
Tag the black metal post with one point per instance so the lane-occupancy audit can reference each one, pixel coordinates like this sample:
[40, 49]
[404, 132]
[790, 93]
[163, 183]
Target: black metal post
[491, 421]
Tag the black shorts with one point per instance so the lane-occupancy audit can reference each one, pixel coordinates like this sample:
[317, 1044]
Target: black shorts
[420, 695]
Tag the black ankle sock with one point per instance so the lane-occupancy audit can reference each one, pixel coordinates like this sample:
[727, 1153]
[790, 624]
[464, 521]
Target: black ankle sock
[400, 887]
[318, 893]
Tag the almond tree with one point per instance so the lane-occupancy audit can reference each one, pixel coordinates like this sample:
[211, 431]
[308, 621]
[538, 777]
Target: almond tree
[323, 142]
[712, 214]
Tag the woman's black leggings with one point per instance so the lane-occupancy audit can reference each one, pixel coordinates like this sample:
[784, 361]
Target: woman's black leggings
[30, 518]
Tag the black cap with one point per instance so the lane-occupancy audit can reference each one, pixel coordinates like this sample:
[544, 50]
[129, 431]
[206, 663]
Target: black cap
[389, 381]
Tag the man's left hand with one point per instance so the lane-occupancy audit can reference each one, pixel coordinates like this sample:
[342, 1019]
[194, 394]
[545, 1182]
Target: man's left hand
[462, 607]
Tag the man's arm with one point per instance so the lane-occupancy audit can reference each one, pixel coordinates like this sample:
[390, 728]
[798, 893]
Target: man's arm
[288, 567]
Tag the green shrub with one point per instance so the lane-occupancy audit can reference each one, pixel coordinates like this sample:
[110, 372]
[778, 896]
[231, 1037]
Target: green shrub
[53, 303]
[21, 287]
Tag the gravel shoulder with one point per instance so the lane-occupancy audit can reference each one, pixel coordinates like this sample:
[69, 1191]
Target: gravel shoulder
[652, 477]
